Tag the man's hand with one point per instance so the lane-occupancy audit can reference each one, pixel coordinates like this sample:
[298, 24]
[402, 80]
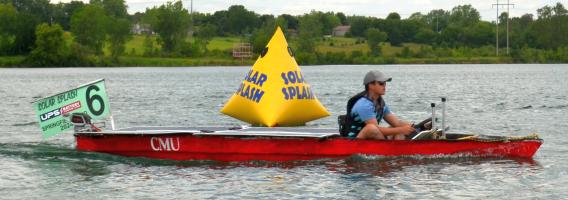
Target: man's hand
[406, 129]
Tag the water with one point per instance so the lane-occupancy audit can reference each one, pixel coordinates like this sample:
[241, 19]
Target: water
[487, 99]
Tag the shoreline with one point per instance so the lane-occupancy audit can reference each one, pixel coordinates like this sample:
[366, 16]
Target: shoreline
[125, 61]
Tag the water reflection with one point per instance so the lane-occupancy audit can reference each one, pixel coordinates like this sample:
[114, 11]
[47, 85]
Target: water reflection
[382, 166]
[52, 156]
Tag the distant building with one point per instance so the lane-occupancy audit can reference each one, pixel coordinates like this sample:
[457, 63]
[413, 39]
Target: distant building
[140, 29]
[340, 30]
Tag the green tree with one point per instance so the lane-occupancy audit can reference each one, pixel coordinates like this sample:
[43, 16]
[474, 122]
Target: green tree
[291, 20]
[342, 18]
[29, 14]
[118, 34]
[282, 23]
[450, 36]
[172, 24]
[438, 20]
[203, 36]
[549, 31]
[236, 20]
[544, 12]
[479, 34]
[425, 36]
[409, 29]
[62, 12]
[374, 38]
[151, 17]
[149, 46]
[89, 27]
[115, 8]
[206, 32]
[261, 36]
[240, 20]
[309, 31]
[24, 30]
[393, 16]
[559, 10]
[50, 49]
[263, 19]
[329, 21]
[464, 15]
[359, 25]
[394, 32]
[40, 9]
[8, 17]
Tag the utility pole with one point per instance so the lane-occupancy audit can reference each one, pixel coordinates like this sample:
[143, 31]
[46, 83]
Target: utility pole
[191, 29]
[437, 30]
[497, 26]
[508, 15]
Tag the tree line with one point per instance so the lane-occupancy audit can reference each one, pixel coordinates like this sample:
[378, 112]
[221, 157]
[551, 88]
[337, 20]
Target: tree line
[41, 30]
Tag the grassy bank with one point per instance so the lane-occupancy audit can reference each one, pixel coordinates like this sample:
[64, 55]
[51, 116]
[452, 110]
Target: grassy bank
[455, 60]
[137, 61]
[335, 50]
[11, 61]
[131, 61]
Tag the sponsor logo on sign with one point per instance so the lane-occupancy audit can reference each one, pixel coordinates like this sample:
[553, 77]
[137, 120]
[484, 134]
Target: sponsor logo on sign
[51, 114]
[70, 107]
[164, 144]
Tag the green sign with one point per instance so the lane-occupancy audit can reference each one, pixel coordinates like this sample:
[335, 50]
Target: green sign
[53, 112]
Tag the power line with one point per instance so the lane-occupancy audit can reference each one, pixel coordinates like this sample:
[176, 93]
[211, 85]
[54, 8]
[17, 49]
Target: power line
[497, 25]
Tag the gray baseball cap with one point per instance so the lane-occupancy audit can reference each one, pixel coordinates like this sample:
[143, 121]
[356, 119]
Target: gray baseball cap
[375, 75]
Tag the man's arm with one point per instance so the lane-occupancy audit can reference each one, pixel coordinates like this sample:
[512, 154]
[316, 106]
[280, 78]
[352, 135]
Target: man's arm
[394, 121]
[398, 126]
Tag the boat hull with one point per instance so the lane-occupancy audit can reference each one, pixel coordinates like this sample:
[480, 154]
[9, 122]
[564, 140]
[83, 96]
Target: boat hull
[229, 148]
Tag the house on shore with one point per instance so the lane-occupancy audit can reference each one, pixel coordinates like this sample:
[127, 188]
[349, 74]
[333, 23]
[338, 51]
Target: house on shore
[340, 31]
[140, 29]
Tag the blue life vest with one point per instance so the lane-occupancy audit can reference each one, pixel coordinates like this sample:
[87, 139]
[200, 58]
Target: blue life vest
[348, 126]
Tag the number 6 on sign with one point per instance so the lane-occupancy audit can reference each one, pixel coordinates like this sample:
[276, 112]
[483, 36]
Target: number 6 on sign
[90, 98]
[95, 97]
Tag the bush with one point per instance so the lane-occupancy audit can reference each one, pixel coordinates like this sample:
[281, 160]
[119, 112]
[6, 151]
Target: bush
[305, 58]
[80, 56]
[50, 47]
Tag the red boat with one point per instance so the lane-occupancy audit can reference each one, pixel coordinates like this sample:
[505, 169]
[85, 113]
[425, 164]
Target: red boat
[283, 144]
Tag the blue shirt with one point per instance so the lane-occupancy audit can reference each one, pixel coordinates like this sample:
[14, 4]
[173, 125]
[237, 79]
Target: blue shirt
[363, 110]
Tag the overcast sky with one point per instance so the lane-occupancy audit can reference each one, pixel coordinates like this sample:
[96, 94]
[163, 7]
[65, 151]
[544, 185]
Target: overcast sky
[377, 8]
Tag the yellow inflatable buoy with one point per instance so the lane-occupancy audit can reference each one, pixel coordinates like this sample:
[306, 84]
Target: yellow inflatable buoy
[274, 92]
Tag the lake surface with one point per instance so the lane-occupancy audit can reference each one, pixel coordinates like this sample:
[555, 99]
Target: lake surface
[482, 99]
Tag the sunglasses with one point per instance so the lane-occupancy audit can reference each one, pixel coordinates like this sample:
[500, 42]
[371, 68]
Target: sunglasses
[381, 83]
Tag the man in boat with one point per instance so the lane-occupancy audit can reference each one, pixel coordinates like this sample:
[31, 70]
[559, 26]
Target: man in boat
[369, 108]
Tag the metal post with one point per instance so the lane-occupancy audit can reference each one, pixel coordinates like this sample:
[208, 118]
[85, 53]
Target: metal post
[433, 105]
[443, 117]
[112, 123]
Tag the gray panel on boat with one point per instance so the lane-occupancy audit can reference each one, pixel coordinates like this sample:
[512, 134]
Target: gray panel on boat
[278, 132]
[177, 128]
[233, 131]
